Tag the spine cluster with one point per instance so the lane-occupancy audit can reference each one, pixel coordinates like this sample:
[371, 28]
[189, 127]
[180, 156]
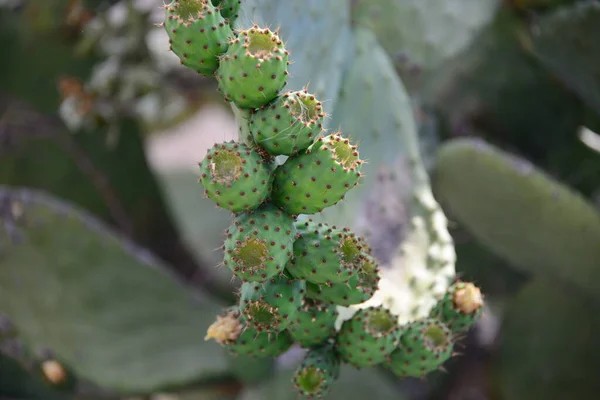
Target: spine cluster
[295, 272]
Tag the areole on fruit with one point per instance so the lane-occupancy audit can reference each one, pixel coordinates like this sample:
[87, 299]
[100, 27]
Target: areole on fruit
[226, 165]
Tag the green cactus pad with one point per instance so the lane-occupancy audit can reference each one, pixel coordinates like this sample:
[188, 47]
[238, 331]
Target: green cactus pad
[358, 289]
[314, 323]
[271, 306]
[259, 244]
[235, 177]
[325, 254]
[368, 337]
[229, 9]
[198, 34]
[460, 308]
[289, 124]
[254, 68]
[232, 331]
[317, 373]
[319, 178]
[494, 195]
[425, 345]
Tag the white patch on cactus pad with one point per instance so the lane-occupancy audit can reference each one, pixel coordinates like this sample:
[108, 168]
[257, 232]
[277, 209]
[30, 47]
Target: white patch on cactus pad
[421, 270]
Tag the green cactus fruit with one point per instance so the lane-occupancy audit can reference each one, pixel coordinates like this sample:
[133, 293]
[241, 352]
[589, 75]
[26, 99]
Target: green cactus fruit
[460, 307]
[368, 337]
[320, 368]
[198, 34]
[271, 306]
[314, 323]
[229, 9]
[425, 345]
[259, 244]
[235, 177]
[232, 331]
[254, 69]
[319, 178]
[289, 124]
[360, 288]
[325, 254]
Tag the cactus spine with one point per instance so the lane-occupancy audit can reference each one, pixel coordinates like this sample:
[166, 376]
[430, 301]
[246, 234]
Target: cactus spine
[307, 282]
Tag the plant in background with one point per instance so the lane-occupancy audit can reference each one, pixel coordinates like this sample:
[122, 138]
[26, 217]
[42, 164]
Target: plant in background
[341, 252]
[291, 267]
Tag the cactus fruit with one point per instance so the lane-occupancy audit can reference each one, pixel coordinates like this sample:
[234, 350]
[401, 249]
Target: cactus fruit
[259, 244]
[319, 369]
[232, 331]
[198, 34]
[289, 124]
[325, 254]
[314, 323]
[318, 178]
[368, 337]
[229, 9]
[460, 308]
[360, 288]
[235, 176]
[425, 345]
[254, 69]
[271, 306]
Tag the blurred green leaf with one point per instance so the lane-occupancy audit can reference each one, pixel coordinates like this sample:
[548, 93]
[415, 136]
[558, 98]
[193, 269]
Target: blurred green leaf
[425, 31]
[548, 346]
[566, 41]
[518, 212]
[107, 309]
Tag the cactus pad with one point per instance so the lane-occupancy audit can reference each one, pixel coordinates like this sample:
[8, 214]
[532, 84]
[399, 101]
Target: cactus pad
[231, 330]
[258, 244]
[460, 308]
[368, 337]
[314, 323]
[198, 34]
[319, 369]
[254, 68]
[235, 177]
[493, 194]
[271, 306]
[319, 178]
[425, 345]
[289, 124]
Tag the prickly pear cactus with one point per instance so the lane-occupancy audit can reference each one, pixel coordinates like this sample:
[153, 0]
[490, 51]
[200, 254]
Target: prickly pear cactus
[305, 278]
[492, 193]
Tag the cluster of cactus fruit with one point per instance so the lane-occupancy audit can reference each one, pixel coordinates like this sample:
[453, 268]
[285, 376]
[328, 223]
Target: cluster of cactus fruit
[295, 271]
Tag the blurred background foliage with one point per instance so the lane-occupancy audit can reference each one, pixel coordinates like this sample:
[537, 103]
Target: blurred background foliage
[101, 130]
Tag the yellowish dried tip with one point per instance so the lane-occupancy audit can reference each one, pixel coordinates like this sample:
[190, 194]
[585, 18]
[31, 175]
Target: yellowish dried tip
[54, 372]
[224, 329]
[468, 299]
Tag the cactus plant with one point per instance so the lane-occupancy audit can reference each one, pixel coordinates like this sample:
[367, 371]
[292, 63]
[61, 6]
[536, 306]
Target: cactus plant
[504, 192]
[330, 266]
[67, 305]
